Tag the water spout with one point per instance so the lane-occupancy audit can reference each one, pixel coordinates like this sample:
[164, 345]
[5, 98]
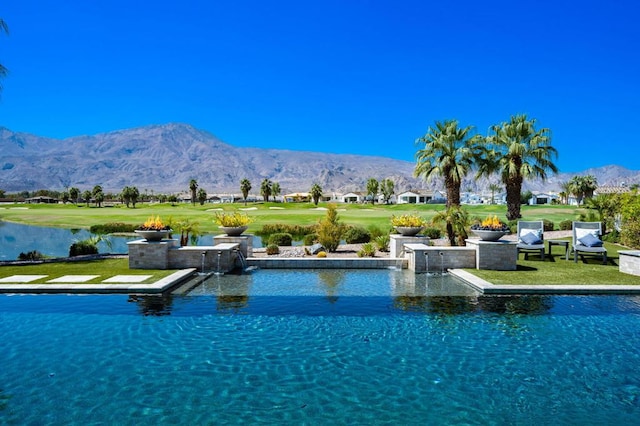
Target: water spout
[218, 271]
[243, 261]
[441, 262]
[426, 260]
[204, 255]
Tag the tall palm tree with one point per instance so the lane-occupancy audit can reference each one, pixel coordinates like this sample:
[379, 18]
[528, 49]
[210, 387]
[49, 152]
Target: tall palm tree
[565, 188]
[518, 152]
[193, 187]
[449, 152]
[265, 189]
[245, 187]
[4, 28]
[583, 187]
[316, 193]
[493, 188]
[275, 190]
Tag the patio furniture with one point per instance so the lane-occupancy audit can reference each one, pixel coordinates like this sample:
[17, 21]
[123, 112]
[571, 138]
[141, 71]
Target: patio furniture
[586, 240]
[530, 237]
[564, 243]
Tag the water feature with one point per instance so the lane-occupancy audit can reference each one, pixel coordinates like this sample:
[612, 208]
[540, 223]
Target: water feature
[241, 259]
[317, 347]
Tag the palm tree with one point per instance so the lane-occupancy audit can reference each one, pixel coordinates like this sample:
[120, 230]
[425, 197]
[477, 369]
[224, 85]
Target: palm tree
[316, 193]
[456, 221]
[74, 194]
[3, 71]
[565, 188]
[493, 188]
[245, 187]
[583, 187]
[275, 190]
[193, 187]
[518, 152]
[202, 196]
[265, 189]
[449, 152]
[372, 189]
[387, 189]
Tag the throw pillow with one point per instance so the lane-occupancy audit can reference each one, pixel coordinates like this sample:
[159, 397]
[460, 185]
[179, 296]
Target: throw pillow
[590, 241]
[531, 239]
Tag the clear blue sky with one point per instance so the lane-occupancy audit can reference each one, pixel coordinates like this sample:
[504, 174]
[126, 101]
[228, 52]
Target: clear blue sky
[345, 76]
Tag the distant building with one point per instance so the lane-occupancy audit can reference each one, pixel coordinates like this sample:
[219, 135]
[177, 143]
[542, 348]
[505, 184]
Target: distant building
[421, 197]
[540, 198]
[41, 200]
[353, 197]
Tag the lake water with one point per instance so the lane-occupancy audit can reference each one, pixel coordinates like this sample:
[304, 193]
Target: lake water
[17, 238]
[320, 347]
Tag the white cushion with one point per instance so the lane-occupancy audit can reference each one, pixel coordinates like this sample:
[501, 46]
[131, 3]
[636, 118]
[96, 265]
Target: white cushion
[581, 232]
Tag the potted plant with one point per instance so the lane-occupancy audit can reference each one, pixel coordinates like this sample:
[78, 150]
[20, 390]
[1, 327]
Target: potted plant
[233, 224]
[407, 224]
[153, 229]
[490, 229]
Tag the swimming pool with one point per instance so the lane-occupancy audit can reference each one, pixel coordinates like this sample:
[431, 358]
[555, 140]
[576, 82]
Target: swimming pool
[302, 347]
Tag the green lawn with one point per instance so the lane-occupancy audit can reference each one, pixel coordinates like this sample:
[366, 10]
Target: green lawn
[72, 216]
[559, 271]
[105, 268]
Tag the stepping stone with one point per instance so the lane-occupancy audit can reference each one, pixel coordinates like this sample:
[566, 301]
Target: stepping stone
[73, 279]
[127, 279]
[21, 278]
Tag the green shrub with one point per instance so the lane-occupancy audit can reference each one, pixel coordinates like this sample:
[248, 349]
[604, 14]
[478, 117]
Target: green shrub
[32, 255]
[375, 231]
[330, 229]
[367, 250]
[310, 239]
[382, 242]
[112, 227]
[281, 239]
[566, 225]
[298, 232]
[356, 235]
[273, 249]
[82, 247]
[547, 224]
[433, 233]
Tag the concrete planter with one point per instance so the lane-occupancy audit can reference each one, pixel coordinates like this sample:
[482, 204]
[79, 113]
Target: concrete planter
[233, 231]
[408, 231]
[152, 235]
[488, 235]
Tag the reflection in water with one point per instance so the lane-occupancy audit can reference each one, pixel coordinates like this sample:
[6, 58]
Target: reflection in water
[153, 305]
[525, 304]
[331, 279]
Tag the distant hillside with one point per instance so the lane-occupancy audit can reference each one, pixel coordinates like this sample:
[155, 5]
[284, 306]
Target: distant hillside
[164, 158]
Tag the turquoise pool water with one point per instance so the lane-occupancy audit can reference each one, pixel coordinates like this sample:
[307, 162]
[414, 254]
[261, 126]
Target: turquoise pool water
[368, 347]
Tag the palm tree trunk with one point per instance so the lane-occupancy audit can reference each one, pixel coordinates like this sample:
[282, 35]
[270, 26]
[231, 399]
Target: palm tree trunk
[513, 187]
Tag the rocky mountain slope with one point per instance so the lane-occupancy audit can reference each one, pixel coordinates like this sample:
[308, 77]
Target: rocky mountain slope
[164, 158]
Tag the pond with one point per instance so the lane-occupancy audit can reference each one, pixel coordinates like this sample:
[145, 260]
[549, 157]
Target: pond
[319, 347]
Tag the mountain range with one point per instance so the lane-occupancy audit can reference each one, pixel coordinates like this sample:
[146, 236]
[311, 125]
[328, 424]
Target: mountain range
[164, 158]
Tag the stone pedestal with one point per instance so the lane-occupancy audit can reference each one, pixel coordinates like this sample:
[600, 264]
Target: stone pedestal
[397, 242]
[244, 241]
[498, 255]
[150, 254]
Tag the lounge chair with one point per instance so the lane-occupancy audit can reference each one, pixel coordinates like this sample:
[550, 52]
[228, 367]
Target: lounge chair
[530, 238]
[586, 240]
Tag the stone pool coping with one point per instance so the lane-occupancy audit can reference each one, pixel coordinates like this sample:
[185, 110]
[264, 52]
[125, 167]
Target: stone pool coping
[170, 281]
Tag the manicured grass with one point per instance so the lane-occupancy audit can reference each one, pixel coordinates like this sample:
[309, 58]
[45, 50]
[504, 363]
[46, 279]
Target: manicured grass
[559, 271]
[72, 216]
[105, 268]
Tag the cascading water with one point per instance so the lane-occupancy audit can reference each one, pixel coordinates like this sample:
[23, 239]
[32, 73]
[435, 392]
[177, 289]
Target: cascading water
[218, 271]
[204, 255]
[243, 261]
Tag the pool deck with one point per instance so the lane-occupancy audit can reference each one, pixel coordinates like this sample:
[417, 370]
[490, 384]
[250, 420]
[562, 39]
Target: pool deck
[157, 287]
